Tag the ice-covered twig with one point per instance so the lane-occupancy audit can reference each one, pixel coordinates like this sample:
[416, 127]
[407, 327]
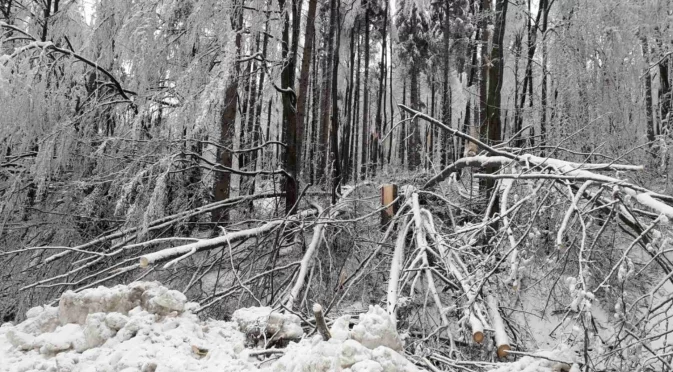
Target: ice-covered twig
[573, 208]
[205, 244]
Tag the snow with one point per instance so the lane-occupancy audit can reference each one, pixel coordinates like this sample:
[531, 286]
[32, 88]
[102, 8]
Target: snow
[253, 320]
[558, 360]
[145, 327]
[376, 327]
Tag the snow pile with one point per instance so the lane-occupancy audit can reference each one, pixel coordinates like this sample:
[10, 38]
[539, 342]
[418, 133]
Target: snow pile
[140, 327]
[371, 346]
[145, 327]
[263, 324]
[376, 327]
[543, 361]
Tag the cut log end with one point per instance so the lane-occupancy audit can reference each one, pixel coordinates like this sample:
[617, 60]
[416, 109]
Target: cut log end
[144, 262]
[478, 337]
[503, 351]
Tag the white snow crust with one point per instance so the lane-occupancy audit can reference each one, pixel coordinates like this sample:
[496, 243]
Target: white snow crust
[145, 327]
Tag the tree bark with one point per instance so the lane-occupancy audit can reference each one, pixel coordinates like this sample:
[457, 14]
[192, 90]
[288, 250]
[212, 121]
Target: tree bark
[376, 137]
[544, 4]
[302, 98]
[228, 117]
[403, 129]
[365, 101]
[648, 91]
[352, 160]
[323, 158]
[292, 140]
[415, 143]
[334, 128]
[346, 140]
[446, 150]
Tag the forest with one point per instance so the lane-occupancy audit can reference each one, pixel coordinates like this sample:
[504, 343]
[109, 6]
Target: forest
[489, 177]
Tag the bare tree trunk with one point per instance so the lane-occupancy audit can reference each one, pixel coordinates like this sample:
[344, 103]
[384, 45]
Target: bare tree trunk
[665, 95]
[544, 4]
[415, 143]
[403, 130]
[334, 128]
[314, 120]
[228, 118]
[375, 146]
[353, 164]
[365, 101]
[302, 98]
[346, 140]
[430, 129]
[392, 112]
[323, 158]
[292, 140]
[256, 126]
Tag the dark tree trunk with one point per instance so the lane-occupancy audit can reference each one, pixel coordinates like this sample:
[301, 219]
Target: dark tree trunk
[334, 128]
[446, 147]
[292, 141]
[544, 4]
[665, 94]
[430, 129]
[392, 112]
[302, 98]
[403, 130]
[346, 140]
[376, 137]
[365, 101]
[352, 160]
[315, 114]
[228, 118]
[415, 142]
[323, 156]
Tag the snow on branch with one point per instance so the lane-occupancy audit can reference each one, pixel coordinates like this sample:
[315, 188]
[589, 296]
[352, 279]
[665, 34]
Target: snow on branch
[183, 251]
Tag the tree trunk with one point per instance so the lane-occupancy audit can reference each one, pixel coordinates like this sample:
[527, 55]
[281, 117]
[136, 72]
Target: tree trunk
[315, 114]
[302, 98]
[376, 137]
[292, 140]
[403, 130]
[323, 147]
[352, 160]
[346, 140]
[334, 128]
[415, 143]
[665, 95]
[228, 118]
[544, 4]
[365, 101]
[392, 112]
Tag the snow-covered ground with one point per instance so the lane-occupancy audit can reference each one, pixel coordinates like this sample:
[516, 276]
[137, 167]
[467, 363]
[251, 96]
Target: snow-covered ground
[145, 327]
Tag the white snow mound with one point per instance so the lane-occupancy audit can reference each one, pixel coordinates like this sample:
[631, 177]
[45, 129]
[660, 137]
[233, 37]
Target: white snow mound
[145, 327]
[376, 328]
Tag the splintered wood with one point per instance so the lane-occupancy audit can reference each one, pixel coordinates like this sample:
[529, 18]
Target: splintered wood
[388, 195]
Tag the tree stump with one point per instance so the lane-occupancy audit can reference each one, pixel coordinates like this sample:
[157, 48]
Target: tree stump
[388, 195]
